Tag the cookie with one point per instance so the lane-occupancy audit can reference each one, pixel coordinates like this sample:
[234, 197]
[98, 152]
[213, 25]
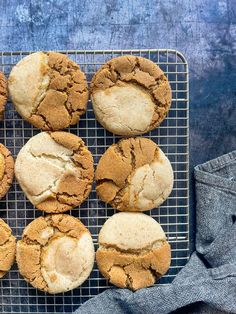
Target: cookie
[7, 248]
[56, 253]
[133, 251]
[130, 95]
[3, 94]
[55, 171]
[134, 175]
[6, 170]
[48, 90]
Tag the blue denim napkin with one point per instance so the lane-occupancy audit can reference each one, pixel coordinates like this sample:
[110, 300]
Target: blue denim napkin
[210, 275]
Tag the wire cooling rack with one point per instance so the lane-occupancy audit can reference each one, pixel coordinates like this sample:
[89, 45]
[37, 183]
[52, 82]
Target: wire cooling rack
[16, 296]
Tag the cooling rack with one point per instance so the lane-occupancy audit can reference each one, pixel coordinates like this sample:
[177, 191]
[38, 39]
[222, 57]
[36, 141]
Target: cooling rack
[16, 296]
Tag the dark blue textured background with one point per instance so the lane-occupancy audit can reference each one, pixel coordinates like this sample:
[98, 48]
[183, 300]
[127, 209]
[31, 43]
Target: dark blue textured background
[203, 30]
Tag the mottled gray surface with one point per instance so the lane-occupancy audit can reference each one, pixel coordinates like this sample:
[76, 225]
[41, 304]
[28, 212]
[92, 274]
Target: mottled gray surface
[203, 30]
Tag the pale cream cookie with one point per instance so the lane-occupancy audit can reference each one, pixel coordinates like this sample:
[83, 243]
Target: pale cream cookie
[134, 175]
[48, 90]
[7, 248]
[130, 95]
[56, 253]
[133, 250]
[55, 170]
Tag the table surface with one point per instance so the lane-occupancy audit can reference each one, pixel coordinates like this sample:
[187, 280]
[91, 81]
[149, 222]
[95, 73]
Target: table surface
[203, 30]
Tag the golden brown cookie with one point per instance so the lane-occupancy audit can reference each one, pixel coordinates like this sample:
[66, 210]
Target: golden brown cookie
[3, 94]
[56, 253]
[134, 175]
[55, 170]
[6, 170]
[49, 90]
[130, 95]
[7, 248]
[133, 251]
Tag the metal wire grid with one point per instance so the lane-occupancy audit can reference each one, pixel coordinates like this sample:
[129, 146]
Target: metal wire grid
[16, 296]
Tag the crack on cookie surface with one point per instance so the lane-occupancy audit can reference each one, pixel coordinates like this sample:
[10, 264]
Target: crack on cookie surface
[142, 251]
[140, 189]
[119, 150]
[40, 119]
[133, 157]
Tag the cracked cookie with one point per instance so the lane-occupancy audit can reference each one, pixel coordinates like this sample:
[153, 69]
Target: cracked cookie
[3, 94]
[130, 95]
[134, 175]
[133, 251]
[56, 253]
[49, 90]
[55, 170]
[7, 248]
[6, 170]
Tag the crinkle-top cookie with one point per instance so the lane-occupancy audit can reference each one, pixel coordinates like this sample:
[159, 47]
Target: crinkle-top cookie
[56, 253]
[134, 175]
[133, 250]
[3, 94]
[6, 170]
[55, 170]
[130, 95]
[49, 90]
[7, 248]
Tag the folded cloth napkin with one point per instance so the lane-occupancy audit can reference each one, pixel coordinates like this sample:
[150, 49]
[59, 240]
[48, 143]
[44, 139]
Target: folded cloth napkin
[210, 275]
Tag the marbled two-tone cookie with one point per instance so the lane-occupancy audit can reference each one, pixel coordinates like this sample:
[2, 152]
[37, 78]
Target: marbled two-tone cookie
[134, 175]
[49, 90]
[55, 170]
[130, 95]
[133, 250]
[56, 253]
